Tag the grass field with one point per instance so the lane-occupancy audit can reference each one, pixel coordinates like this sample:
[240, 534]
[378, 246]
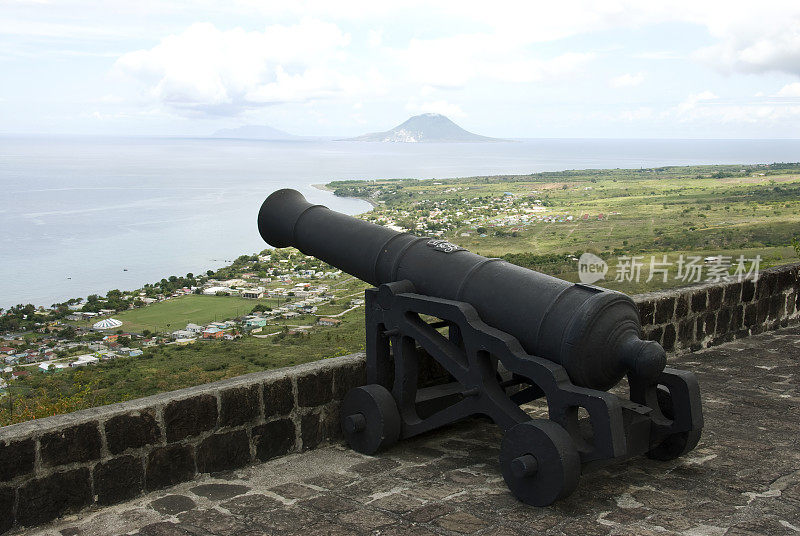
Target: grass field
[693, 210]
[176, 313]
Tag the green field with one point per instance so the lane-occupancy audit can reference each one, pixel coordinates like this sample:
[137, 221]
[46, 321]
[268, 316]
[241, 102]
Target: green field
[692, 210]
[176, 313]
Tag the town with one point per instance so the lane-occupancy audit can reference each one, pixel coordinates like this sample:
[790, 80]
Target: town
[280, 293]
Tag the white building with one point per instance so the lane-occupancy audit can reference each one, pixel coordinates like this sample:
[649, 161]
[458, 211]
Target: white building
[253, 293]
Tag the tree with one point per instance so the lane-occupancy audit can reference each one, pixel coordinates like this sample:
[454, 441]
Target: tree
[67, 333]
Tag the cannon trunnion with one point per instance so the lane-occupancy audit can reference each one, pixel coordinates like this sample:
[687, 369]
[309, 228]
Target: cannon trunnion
[503, 336]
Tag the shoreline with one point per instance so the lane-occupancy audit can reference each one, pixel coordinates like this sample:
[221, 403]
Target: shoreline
[326, 188]
[225, 263]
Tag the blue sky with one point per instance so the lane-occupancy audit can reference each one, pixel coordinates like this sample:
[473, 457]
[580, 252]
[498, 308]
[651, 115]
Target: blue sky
[688, 69]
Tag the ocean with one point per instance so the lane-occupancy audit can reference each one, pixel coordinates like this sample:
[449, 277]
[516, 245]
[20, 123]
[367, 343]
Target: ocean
[85, 215]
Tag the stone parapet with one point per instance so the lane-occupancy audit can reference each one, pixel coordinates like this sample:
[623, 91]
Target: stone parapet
[105, 455]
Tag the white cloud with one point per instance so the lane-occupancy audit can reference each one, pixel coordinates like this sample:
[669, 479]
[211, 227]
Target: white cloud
[706, 107]
[627, 80]
[754, 37]
[790, 90]
[452, 62]
[693, 99]
[205, 69]
[439, 106]
[375, 38]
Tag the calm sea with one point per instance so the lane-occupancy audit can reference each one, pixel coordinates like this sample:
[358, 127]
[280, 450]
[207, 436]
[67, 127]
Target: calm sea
[85, 215]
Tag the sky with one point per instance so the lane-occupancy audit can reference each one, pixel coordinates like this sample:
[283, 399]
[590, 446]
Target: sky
[535, 69]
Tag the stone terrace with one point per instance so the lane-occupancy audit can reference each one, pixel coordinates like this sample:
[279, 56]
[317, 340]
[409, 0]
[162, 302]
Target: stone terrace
[743, 478]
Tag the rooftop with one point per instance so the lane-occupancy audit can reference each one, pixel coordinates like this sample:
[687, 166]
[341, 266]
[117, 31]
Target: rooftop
[743, 478]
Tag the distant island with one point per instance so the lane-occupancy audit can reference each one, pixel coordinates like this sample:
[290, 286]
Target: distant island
[254, 132]
[425, 128]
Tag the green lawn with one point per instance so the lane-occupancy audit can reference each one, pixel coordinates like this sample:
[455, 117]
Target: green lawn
[176, 313]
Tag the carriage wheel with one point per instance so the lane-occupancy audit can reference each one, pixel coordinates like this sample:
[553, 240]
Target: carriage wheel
[677, 444]
[539, 462]
[370, 419]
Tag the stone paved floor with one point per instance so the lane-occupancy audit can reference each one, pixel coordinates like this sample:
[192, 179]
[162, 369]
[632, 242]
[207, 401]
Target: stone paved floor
[743, 478]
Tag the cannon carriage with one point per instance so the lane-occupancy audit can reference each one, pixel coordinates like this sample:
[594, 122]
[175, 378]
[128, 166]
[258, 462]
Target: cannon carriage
[503, 336]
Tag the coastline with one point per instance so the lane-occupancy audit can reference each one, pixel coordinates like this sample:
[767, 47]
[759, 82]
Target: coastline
[326, 188]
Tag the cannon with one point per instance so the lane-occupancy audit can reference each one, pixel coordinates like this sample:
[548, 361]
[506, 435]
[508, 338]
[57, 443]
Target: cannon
[502, 337]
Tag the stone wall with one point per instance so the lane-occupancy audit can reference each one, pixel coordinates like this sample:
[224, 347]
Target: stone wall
[690, 318]
[105, 455]
[101, 456]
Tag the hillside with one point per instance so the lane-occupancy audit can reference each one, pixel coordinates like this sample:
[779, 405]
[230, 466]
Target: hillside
[425, 128]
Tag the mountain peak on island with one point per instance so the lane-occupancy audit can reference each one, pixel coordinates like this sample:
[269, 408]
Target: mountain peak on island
[429, 127]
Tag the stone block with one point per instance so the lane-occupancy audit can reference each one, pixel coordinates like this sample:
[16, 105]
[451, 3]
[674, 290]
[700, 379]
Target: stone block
[312, 430]
[732, 294]
[776, 306]
[762, 310]
[766, 285]
[665, 309]
[681, 306]
[274, 438]
[331, 423]
[736, 317]
[44, 499]
[699, 301]
[700, 328]
[686, 331]
[16, 458]
[169, 465]
[79, 443]
[346, 378]
[239, 405]
[223, 452]
[6, 508]
[190, 417]
[785, 279]
[709, 322]
[315, 388]
[742, 333]
[791, 303]
[278, 397]
[723, 319]
[750, 314]
[668, 341]
[118, 479]
[131, 431]
[714, 298]
[748, 290]
[646, 309]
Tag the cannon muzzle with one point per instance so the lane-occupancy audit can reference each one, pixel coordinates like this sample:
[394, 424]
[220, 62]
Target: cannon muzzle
[592, 332]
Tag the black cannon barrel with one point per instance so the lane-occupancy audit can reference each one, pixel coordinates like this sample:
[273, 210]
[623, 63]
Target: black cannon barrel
[593, 332]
